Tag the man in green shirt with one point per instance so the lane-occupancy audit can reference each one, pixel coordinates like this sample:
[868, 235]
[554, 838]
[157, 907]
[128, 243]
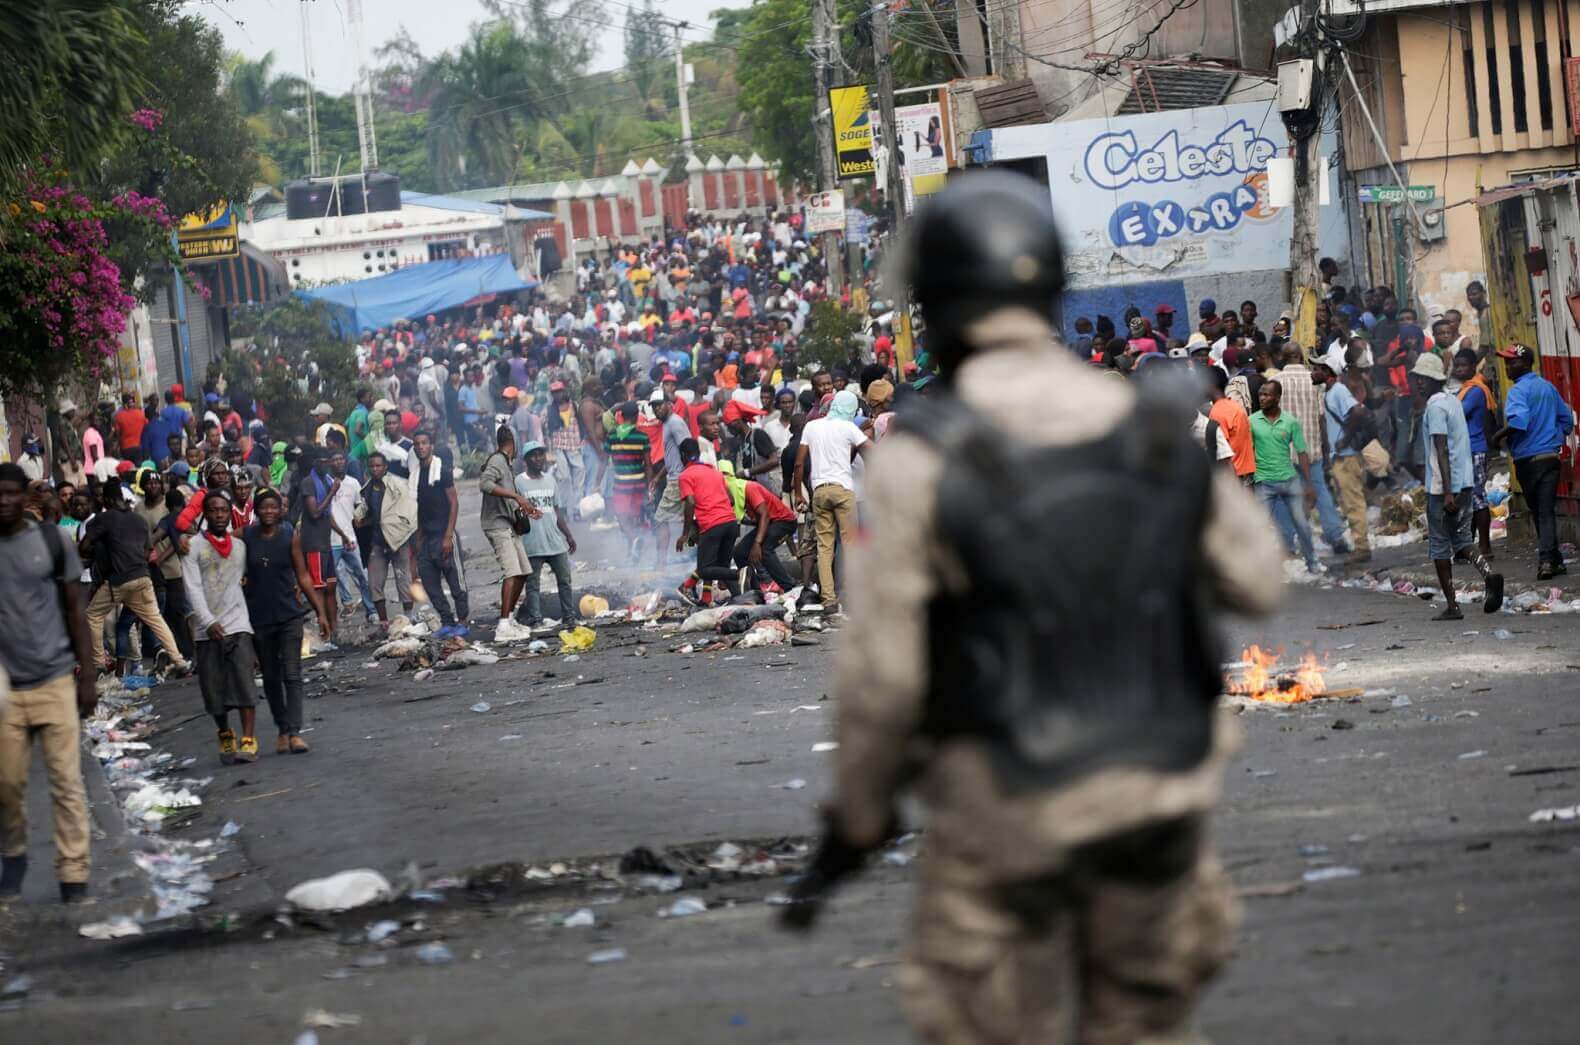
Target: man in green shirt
[1280, 445]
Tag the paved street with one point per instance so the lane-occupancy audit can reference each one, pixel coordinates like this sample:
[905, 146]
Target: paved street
[1460, 926]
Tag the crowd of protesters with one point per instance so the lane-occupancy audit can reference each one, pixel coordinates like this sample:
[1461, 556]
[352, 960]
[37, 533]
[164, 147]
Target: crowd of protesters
[670, 396]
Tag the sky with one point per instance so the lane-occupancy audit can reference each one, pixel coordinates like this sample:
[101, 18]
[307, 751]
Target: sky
[256, 27]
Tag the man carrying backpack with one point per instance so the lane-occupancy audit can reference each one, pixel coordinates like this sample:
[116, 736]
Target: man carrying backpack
[45, 651]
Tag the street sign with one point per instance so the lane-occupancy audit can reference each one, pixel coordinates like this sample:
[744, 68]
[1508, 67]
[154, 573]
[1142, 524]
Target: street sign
[825, 211]
[1394, 194]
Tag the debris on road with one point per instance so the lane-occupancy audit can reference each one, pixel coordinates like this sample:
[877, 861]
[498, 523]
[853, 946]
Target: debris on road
[482, 707]
[323, 1019]
[580, 919]
[593, 605]
[825, 745]
[382, 930]
[434, 954]
[1546, 816]
[1328, 874]
[685, 906]
[765, 633]
[613, 954]
[577, 639]
[340, 892]
[112, 929]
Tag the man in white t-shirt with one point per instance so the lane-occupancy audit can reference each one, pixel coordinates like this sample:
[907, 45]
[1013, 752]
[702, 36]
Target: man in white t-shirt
[343, 540]
[823, 469]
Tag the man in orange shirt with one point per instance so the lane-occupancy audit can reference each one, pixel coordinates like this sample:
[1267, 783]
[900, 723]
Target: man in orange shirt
[130, 420]
[1233, 423]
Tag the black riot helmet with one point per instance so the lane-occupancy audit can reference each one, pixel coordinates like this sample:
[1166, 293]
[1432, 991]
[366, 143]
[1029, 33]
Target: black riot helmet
[987, 241]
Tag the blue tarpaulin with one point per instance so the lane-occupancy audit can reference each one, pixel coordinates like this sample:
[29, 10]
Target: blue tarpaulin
[416, 290]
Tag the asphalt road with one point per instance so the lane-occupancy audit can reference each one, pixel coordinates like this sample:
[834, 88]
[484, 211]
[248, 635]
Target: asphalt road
[1461, 925]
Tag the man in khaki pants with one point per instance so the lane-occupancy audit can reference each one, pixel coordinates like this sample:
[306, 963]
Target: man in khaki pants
[823, 467]
[117, 538]
[1342, 417]
[43, 639]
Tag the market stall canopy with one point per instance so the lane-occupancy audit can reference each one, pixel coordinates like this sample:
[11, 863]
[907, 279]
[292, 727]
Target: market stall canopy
[414, 291]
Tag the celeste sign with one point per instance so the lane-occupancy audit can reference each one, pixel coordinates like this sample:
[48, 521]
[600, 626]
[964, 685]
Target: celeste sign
[1235, 156]
[1162, 195]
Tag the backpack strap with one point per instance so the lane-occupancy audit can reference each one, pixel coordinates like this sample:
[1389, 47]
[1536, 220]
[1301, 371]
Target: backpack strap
[1211, 439]
[57, 553]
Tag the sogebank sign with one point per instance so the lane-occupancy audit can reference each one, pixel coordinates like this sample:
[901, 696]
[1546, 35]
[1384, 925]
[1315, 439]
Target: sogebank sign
[1191, 181]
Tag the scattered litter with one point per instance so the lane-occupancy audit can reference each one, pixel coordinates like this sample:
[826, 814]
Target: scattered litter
[580, 919]
[613, 954]
[1342, 723]
[706, 620]
[1502, 634]
[423, 676]
[16, 985]
[397, 648]
[425, 896]
[1543, 816]
[793, 785]
[1264, 772]
[482, 706]
[383, 930]
[593, 605]
[1540, 770]
[1401, 701]
[765, 633]
[684, 906]
[434, 954]
[1472, 754]
[1467, 714]
[467, 657]
[113, 929]
[511, 736]
[340, 892]
[825, 745]
[307, 1037]
[897, 857]
[152, 802]
[1328, 874]
[230, 830]
[537, 646]
[872, 963]
[577, 639]
[322, 1018]
[1313, 850]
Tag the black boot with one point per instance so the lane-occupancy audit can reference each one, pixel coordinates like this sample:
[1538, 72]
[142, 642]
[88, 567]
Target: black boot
[12, 870]
[73, 892]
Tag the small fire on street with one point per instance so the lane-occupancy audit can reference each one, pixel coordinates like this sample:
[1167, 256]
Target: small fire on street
[1258, 677]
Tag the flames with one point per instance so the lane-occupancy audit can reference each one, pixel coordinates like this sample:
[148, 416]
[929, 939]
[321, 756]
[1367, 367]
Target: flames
[1260, 679]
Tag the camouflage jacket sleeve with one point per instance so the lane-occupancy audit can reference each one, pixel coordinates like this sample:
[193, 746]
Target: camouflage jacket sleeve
[1244, 558]
[882, 659]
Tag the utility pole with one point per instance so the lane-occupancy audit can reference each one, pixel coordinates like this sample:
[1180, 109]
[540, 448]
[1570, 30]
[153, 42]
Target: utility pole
[312, 107]
[681, 85]
[1300, 100]
[825, 47]
[895, 190]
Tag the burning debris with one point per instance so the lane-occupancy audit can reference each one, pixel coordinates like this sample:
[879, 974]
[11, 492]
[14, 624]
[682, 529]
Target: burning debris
[1259, 678]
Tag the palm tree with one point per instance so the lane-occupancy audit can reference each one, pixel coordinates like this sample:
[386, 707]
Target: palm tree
[485, 96]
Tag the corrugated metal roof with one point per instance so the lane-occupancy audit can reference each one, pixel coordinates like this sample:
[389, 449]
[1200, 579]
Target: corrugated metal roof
[456, 203]
[1163, 88]
[1524, 188]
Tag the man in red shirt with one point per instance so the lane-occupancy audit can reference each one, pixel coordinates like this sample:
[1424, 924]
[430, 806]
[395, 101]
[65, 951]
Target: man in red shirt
[129, 424]
[710, 523]
[775, 524]
[1234, 423]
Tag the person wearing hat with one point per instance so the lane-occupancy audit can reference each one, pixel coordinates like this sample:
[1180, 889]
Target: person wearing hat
[564, 434]
[1345, 419]
[1536, 424]
[1450, 485]
[32, 460]
[319, 424]
[1163, 319]
[549, 541]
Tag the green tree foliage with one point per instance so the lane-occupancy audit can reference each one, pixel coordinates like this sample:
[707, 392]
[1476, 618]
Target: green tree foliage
[829, 336]
[289, 334]
[649, 47]
[69, 76]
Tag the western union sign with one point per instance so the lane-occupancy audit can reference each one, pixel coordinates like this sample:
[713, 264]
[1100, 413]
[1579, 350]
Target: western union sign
[852, 112]
[208, 235]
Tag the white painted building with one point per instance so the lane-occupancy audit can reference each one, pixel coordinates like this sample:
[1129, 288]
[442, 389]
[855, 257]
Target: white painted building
[337, 249]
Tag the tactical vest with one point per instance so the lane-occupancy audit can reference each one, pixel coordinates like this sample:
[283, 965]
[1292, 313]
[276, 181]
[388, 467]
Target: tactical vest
[1084, 638]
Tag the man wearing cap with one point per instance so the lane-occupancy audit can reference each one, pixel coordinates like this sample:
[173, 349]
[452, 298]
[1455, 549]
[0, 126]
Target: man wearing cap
[1344, 419]
[1536, 422]
[1450, 482]
[321, 424]
[563, 429]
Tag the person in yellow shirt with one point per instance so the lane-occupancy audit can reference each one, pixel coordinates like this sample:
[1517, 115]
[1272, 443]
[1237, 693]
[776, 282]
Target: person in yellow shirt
[649, 317]
[640, 276]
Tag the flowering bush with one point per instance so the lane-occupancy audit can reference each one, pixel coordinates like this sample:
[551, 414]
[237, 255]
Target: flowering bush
[63, 301]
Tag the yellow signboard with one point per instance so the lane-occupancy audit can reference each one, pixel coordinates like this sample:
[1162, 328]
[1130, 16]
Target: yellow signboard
[208, 235]
[852, 112]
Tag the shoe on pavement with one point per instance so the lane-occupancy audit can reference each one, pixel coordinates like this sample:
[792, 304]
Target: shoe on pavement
[689, 595]
[73, 892]
[1494, 598]
[1544, 572]
[460, 631]
[247, 750]
[298, 745]
[1450, 612]
[508, 630]
[444, 631]
[1358, 556]
[282, 746]
[227, 747]
[12, 870]
[1559, 569]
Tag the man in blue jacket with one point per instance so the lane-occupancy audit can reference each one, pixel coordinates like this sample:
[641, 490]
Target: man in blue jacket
[1536, 421]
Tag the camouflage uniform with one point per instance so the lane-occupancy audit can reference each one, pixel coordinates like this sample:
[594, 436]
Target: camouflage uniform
[1093, 912]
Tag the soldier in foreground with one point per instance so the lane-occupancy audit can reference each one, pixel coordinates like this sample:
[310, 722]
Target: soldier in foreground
[1031, 646]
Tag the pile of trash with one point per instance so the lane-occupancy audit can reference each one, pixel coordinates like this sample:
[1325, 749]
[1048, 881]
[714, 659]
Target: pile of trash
[419, 650]
[155, 797]
[1551, 600]
[752, 620]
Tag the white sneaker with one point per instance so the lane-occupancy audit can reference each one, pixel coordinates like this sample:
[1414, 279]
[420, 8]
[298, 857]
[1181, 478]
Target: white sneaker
[508, 630]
